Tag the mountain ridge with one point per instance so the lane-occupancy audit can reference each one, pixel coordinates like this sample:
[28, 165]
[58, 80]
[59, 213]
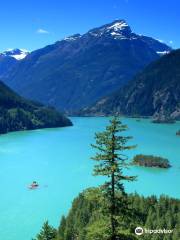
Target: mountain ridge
[154, 92]
[80, 69]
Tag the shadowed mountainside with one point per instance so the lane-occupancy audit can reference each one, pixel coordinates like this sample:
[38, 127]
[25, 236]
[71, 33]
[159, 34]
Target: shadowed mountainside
[17, 113]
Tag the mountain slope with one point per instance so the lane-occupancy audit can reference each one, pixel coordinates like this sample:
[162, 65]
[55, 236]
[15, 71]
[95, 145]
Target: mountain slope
[6, 65]
[17, 113]
[153, 92]
[80, 69]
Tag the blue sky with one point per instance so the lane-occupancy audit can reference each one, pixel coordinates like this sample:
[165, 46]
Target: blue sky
[32, 24]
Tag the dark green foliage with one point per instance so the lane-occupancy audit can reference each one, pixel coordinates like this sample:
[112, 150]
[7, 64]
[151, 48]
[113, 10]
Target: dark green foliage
[47, 232]
[17, 113]
[79, 216]
[153, 92]
[154, 213]
[111, 161]
[151, 161]
[62, 228]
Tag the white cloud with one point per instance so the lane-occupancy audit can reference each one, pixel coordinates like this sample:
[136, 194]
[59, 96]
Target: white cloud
[42, 31]
[171, 42]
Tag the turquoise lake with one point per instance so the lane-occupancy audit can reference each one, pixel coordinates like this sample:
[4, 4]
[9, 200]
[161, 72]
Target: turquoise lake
[59, 159]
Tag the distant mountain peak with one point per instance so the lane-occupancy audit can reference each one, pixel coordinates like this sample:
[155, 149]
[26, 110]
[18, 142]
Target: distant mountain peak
[116, 29]
[16, 53]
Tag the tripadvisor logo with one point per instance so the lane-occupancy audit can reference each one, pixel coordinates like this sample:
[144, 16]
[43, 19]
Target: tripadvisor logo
[139, 231]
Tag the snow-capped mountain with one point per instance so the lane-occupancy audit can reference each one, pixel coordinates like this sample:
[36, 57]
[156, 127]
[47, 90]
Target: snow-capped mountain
[118, 29]
[18, 54]
[80, 69]
[8, 60]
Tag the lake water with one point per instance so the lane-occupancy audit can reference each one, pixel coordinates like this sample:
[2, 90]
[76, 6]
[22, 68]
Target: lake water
[59, 159]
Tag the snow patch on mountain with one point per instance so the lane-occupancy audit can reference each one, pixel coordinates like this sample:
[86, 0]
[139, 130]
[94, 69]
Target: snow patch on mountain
[163, 53]
[118, 29]
[118, 26]
[72, 38]
[18, 54]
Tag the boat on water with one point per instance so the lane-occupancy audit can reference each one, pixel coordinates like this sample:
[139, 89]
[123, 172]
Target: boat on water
[33, 185]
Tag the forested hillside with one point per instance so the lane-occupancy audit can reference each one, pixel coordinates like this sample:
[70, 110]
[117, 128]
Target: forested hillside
[153, 92]
[17, 113]
[86, 221]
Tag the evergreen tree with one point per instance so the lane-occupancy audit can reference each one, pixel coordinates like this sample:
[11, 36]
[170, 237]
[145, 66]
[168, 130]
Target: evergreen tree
[62, 228]
[111, 161]
[47, 232]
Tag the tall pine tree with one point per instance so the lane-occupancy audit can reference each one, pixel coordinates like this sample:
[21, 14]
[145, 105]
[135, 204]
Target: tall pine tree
[47, 232]
[111, 161]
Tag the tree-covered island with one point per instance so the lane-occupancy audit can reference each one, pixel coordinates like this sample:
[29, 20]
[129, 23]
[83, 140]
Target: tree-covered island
[151, 161]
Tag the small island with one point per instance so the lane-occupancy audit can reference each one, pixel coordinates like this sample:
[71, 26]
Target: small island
[178, 133]
[151, 161]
